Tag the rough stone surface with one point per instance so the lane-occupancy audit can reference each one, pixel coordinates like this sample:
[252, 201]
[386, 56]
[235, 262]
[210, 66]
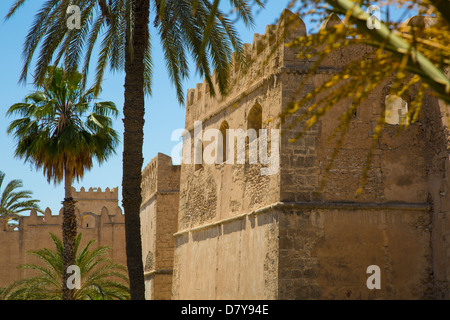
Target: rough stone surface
[304, 233]
[160, 197]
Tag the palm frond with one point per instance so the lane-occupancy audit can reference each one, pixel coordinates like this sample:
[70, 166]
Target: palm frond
[56, 127]
[13, 201]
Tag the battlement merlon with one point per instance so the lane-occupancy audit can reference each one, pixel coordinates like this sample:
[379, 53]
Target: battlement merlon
[95, 194]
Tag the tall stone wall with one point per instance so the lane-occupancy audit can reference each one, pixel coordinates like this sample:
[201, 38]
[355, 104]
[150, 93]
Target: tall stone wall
[160, 194]
[234, 258]
[325, 250]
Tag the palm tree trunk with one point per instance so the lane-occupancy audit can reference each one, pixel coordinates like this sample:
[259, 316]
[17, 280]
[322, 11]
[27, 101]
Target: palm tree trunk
[133, 142]
[69, 233]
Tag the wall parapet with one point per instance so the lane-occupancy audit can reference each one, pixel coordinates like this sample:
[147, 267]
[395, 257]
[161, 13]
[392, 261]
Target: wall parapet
[95, 194]
[47, 219]
[264, 57]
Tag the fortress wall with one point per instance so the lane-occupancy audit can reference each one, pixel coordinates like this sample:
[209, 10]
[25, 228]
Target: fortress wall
[160, 193]
[324, 251]
[32, 233]
[397, 170]
[325, 239]
[231, 259]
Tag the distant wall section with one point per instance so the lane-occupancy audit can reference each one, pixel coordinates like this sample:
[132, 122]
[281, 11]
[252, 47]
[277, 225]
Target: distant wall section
[98, 216]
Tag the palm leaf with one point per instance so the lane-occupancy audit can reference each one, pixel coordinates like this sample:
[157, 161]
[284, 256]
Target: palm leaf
[101, 278]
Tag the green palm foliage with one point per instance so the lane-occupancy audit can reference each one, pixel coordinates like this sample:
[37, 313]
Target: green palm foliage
[13, 201]
[196, 29]
[60, 130]
[101, 279]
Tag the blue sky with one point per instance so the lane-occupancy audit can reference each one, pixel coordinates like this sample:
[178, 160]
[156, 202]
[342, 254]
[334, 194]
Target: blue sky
[163, 113]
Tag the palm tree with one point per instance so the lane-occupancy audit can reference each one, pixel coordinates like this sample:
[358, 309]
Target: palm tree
[56, 133]
[13, 201]
[98, 275]
[197, 28]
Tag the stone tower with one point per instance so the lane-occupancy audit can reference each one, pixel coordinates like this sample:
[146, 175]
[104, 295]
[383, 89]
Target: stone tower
[244, 235]
[98, 216]
[159, 210]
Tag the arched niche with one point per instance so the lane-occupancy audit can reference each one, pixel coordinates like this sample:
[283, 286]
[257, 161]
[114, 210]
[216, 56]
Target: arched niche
[88, 221]
[223, 130]
[254, 119]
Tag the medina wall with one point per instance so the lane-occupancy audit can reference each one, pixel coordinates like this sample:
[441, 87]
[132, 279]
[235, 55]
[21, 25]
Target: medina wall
[298, 240]
[159, 209]
[234, 258]
[295, 251]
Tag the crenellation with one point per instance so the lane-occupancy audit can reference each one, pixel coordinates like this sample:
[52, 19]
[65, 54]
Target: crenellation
[270, 35]
[95, 193]
[265, 55]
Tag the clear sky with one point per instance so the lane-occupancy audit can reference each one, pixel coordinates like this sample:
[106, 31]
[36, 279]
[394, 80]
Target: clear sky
[163, 113]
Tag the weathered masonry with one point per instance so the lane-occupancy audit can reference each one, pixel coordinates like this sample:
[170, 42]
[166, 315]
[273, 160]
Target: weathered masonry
[159, 209]
[226, 231]
[243, 235]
